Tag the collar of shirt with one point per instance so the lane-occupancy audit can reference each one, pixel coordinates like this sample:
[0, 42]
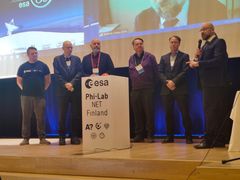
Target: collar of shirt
[208, 40]
[211, 38]
[67, 57]
[139, 57]
[173, 55]
[182, 16]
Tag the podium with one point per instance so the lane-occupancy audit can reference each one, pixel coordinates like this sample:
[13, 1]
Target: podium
[105, 113]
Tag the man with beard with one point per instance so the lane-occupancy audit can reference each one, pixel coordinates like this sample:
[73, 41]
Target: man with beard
[174, 13]
[97, 62]
[213, 74]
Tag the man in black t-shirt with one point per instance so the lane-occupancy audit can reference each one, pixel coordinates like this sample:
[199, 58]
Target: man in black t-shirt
[33, 78]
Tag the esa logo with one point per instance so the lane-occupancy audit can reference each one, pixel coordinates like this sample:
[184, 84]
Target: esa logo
[40, 3]
[89, 83]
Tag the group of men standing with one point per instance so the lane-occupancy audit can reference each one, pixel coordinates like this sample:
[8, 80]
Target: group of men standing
[210, 60]
[33, 78]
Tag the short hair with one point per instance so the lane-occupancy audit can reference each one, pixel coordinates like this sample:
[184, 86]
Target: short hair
[31, 48]
[175, 36]
[137, 39]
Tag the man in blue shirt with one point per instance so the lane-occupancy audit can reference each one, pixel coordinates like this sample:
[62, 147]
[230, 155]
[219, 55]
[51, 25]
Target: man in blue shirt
[33, 78]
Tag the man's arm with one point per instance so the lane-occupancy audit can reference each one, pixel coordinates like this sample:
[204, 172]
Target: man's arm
[19, 82]
[57, 72]
[79, 74]
[161, 70]
[47, 81]
[110, 66]
[219, 56]
[184, 69]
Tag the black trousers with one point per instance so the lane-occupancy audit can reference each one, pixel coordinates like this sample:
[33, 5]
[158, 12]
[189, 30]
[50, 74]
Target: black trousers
[182, 102]
[142, 102]
[214, 102]
[72, 101]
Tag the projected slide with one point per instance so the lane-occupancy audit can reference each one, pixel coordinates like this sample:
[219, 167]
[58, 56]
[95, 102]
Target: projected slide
[40, 23]
[45, 24]
[144, 15]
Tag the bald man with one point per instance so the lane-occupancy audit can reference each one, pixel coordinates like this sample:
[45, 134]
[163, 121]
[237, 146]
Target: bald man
[211, 62]
[97, 62]
[68, 72]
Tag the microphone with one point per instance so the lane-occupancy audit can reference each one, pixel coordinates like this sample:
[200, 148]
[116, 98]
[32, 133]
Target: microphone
[199, 47]
[199, 43]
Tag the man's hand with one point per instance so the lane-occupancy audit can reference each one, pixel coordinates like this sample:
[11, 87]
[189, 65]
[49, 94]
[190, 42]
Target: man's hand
[69, 87]
[171, 85]
[198, 53]
[193, 64]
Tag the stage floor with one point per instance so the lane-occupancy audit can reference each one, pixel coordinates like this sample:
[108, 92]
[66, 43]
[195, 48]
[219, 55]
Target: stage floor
[142, 161]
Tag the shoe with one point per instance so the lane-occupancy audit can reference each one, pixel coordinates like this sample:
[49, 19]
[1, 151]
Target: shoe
[44, 141]
[150, 140]
[62, 141]
[189, 140]
[25, 141]
[168, 139]
[75, 140]
[202, 145]
[137, 139]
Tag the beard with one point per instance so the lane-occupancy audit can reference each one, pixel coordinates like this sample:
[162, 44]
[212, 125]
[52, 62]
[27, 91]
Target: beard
[95, 51]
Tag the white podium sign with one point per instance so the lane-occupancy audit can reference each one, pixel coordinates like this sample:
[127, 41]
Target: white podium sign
[105, 113]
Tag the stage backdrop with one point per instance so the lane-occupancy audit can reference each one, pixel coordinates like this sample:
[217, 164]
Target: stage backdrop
[45, 24]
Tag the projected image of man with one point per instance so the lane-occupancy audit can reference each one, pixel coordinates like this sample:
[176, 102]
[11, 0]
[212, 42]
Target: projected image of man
[33, 78]
[174, 13]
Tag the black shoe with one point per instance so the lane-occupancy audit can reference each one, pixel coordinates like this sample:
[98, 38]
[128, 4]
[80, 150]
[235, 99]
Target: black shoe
[137, 139]
[203, 145]
[168, 139]
[62, 141]
[75, 140]
[189, 140]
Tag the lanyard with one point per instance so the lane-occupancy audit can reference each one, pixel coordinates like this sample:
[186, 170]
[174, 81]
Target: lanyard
[98, 60]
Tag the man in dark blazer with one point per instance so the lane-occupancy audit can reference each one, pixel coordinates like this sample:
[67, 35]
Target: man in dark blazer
[179, 13]
[213, 75]
[174, 87]
[68, 71]
[97, 62]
